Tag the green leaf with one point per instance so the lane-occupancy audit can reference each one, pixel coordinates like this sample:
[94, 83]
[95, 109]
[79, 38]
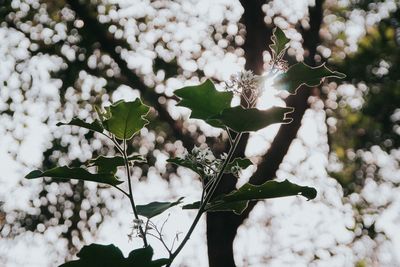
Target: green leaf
[127, 118]
[142, 257]
[96, 255]
[110, 164]
[242, 163]
[155, 208]
[240, 119]
[204, 101]
[75, 173]
[94, 126]
[270, 189]
[197, 168]
[279, 42]
[302, 74]
[237, 200]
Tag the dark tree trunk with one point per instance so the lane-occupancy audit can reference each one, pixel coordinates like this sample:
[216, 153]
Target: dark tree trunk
[222, 226]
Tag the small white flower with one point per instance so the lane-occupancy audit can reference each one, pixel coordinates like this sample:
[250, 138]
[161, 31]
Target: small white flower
[247, 85]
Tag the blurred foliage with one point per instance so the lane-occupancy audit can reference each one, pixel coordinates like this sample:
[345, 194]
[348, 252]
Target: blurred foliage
[367, 126]
[88, 45]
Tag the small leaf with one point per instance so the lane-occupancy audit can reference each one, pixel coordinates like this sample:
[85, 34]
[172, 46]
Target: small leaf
[300, 74]
[75, 173]
[110, 164]
[127, 118]
[155, 208]
[197, 168]
[279, 42]
[94, 126]
[253, 119]
[242, 163]
[204, 101]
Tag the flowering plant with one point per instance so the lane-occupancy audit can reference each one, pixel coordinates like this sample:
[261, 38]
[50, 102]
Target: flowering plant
[122, 120]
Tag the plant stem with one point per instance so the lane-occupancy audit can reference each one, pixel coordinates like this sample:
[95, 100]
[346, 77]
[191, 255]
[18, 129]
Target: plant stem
[135, 213]
[207, 198]
[128, 173]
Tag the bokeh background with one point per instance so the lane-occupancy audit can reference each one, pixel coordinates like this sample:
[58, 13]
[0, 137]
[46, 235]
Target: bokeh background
[58, 58]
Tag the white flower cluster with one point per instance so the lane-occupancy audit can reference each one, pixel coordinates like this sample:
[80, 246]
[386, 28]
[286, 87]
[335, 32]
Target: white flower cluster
[137, 223]
[207, 163]
[276, 66]
[247, 85]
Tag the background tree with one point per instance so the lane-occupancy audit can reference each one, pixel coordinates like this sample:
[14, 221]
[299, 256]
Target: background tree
[99, 50]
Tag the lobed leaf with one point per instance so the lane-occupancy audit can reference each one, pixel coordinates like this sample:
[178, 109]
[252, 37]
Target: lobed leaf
[204, 101]
[65, 172]
[279, 42]
[110, 164]
[155, 208]
[240, 119]
[302, 74]
[127, 118]
[94, 126]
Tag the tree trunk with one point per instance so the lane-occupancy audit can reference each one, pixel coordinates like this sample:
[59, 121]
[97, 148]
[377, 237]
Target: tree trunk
[222, 226]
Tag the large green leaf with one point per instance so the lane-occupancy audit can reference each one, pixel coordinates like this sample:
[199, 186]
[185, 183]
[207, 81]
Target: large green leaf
[127, 118]
[96, 255]
[94, 126]
[237, 200]
[204, 100]
[300, 74]
[270, 189]
[155, 208]
[75, 173]
[240, 119]
[279, 42]
[110, 164]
